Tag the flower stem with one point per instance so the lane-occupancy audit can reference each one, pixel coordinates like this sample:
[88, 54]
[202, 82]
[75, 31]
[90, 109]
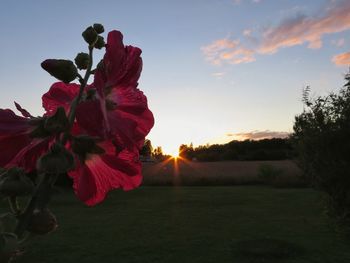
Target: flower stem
[38, 198]
[41, 195]
[83, 83]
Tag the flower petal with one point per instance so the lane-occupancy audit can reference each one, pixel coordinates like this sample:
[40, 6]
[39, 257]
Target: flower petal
[133, 66]
[114, 59]
[29, 153]
[131, 119]
[102, 173]
[123, 65]
[10, 123]
[59, 95]
[90, 118]
[11, 145]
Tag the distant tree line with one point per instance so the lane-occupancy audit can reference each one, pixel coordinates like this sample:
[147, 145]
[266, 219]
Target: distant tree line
[149, 153]
[248, 150]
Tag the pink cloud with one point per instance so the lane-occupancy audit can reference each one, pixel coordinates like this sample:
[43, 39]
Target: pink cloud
[230, 51]
[304, 29]
[342, 59]
[292, 32]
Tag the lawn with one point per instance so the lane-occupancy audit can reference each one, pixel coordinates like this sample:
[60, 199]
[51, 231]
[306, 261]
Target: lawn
[192, 224]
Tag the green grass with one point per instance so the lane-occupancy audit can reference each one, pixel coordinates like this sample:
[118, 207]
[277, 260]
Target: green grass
[192, 224]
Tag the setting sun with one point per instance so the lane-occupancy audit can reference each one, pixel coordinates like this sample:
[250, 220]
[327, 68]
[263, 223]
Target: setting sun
[175, 153]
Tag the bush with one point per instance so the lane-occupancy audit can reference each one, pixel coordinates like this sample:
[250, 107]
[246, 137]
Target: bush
[322, 139]
[268, 174]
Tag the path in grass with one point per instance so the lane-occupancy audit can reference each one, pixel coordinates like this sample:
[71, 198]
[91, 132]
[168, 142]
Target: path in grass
[192, 224]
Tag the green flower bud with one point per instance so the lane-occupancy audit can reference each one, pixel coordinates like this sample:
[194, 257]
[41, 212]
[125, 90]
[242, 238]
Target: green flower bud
[99, 28]
[100, 43]
[57, 161]
[14, 182]
[82, 60]
[90, 35]
[61, 69]
[58, 122]
[8, 246]
[42, 222]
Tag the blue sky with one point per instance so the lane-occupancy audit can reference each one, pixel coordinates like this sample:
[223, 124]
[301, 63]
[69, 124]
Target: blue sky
[214, 70]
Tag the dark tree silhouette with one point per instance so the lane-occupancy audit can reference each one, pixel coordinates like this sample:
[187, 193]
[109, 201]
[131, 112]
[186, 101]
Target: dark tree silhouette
[248, 150]
[147, 149]
[322, 139]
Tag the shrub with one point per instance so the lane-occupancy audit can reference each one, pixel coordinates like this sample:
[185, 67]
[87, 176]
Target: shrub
[322, 138]
[268, 174]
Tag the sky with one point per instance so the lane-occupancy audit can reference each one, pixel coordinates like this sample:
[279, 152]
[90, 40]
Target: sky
[213, 70]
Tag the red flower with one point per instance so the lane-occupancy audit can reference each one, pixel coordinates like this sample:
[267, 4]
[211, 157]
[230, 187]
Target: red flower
[118, 110]
[126, 117]
[18, 144]
[122, 64]
[112, 120]
[114, 110]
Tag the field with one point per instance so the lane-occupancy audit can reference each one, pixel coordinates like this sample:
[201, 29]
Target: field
[192, 224]
[182, 172]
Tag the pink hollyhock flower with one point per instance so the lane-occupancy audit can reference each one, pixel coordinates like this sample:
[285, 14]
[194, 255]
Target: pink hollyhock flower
[18, 142]
[119, 110]
[114, 110]
[122, 108]
[117, 166]
[122, 64]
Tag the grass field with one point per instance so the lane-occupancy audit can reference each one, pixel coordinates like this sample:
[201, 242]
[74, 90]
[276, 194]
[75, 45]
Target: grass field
[182, 172]
[192, 224]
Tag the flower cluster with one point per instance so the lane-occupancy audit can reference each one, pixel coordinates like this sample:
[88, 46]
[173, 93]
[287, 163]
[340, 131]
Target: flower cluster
[93, 131]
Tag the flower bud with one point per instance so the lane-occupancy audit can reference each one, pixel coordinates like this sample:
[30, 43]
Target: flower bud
[42, 222]
[57, 161]
[14, 182]
[58, 122]
[61, 69]
[90, 35]
[99, 28]
[100, 43]
[82, 60]
[8, 246]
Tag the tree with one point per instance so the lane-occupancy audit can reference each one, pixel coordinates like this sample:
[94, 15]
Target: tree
[186, 151]
[158, 153]
[147, 149]
[322, 139]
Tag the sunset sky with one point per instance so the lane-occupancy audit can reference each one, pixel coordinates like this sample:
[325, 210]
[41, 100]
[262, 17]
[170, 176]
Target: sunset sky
[214, 70]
